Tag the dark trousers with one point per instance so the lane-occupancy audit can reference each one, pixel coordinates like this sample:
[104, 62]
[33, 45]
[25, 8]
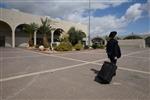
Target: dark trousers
[113, 60]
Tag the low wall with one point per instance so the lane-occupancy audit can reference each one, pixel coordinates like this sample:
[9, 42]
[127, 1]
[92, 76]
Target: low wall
[140, 43]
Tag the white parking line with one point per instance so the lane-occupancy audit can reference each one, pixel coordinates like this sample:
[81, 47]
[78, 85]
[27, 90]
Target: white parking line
[140, 57]
[43, 54]
[54, 55]
[11, 52]
[116, 83]
[3, 58]
[133, 53]
[99, 53]
[43, 72]
[72, 66]
[81, 53]
[133, 70]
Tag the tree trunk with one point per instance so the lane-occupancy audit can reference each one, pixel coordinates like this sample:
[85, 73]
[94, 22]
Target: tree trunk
[30, 40]
[45, 41]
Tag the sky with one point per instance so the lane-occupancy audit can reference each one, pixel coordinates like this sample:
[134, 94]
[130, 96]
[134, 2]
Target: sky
[101, 16]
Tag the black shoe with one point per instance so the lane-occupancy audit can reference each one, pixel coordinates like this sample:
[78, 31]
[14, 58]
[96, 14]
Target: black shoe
[114, 74]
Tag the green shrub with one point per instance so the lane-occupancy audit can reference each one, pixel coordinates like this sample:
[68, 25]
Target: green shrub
[86, 47]
[64, 46]
[133, 37]
[101, 47]
[78, 46]
[95, 46]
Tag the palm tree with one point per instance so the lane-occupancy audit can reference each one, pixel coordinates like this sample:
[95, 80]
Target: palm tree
[45, 29]
[30, 29]
[75, 35]
[81, 35]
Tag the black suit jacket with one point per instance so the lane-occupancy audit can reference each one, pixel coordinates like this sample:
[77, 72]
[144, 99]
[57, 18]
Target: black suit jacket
[113, 49]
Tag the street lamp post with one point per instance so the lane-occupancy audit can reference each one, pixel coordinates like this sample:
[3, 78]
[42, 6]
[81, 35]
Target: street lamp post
[89, 37]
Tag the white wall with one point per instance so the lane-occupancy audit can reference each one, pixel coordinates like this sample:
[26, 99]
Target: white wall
[140, 43]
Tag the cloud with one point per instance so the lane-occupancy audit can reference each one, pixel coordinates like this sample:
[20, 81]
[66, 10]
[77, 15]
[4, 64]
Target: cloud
[17, 10]
[77, 11]
[99, 25]
[105, 24]
[57, 8]
[134, 12]
[97, 4]
[53, 8]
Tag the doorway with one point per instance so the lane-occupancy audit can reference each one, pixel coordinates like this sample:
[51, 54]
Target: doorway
[2, 41]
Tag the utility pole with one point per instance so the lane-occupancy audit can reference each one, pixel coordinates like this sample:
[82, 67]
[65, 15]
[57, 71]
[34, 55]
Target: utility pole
[89, 37]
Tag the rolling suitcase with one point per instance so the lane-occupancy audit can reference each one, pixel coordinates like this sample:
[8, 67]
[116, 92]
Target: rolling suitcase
[106, 73]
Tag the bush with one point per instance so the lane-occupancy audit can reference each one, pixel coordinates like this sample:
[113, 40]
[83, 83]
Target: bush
[95, 46]
[133, 37]
[78, 46]
[75, 35]
[101, 47]
[86, 47]
[64, 46]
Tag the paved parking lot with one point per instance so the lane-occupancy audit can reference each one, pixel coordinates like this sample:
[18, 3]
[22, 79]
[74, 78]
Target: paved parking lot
[29, 75]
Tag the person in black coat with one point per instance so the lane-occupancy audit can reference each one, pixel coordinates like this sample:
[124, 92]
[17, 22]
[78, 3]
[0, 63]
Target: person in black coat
[112, 48]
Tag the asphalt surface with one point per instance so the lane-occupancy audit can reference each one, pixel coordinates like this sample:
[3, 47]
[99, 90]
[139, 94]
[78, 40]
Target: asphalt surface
[30, 75]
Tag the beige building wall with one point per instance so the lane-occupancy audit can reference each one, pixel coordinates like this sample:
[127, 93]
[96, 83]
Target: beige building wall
[16, 18]
[139, 43]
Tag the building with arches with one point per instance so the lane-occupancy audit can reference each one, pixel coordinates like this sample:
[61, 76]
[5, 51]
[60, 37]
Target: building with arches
[12, 21]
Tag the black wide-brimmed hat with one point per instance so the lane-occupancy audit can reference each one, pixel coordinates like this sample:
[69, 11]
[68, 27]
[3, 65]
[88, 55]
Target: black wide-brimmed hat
[112, 34]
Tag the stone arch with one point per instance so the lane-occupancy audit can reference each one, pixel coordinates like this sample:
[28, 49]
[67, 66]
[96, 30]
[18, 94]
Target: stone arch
[21, 37]
[147, 41]
[57, 34]
[5, 34]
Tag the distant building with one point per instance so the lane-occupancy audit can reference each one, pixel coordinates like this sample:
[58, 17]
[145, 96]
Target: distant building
[11, 21]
